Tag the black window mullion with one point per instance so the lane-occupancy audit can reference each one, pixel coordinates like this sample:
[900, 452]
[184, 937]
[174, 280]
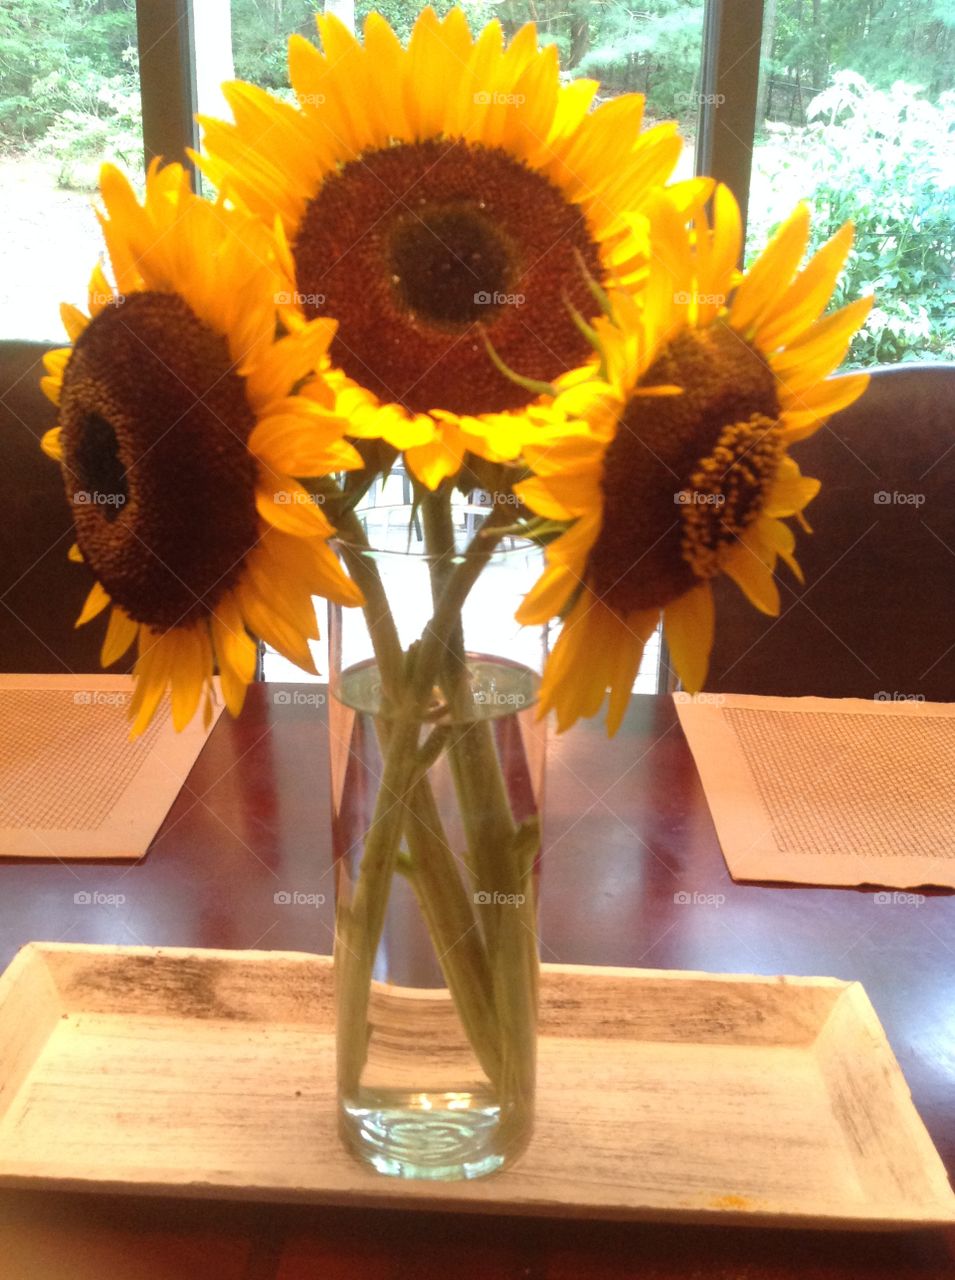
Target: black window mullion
[167, 77]
[729, 83]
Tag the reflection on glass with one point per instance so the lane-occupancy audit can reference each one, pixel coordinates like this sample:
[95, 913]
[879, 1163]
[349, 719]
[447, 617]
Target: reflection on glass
[855, 112]
[69, 100]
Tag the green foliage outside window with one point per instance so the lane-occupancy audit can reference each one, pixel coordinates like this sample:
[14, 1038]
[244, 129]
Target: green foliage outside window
[882, 159]
[865, 147]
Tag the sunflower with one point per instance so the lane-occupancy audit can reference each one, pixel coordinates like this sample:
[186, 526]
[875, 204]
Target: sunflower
[446, 204]
[177, 438]
[673, 464]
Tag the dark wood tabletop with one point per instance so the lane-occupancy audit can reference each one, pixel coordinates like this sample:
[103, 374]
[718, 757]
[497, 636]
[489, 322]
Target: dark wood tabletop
[627, 834]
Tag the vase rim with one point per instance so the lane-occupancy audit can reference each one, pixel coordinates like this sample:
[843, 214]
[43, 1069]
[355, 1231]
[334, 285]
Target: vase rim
[414, 549]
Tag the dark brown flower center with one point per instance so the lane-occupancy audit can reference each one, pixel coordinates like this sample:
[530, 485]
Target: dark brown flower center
[685, 475]
[415, 248]
[162, 486]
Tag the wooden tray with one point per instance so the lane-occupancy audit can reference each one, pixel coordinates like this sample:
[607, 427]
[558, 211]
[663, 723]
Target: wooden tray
[663, 1095]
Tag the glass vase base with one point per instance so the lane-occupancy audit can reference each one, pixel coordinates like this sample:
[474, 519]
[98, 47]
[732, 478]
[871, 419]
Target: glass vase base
[446, 1137]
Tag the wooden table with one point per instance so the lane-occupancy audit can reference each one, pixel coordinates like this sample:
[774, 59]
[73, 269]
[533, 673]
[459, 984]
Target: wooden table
[627, 831]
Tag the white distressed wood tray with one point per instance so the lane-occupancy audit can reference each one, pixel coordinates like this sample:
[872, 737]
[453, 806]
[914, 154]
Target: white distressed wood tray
[662, 1095]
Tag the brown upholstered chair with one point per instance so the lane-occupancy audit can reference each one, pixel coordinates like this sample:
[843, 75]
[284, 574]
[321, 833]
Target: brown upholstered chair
[877, 613]
[41, 592]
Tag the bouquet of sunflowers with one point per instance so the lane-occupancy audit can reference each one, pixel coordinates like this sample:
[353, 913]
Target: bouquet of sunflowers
[443, 253]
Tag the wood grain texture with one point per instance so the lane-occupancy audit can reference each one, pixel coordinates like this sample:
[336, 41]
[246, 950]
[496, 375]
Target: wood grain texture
[627, 836]
[211, 1074]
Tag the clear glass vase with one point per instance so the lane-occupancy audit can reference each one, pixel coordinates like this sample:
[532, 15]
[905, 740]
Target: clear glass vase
[436, 807]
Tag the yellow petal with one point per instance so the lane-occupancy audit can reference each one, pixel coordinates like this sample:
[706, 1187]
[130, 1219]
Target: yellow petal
[753, 578]
[437, 461]
[808, 295]
[627, 655]
[304, 441]
[689, 622]
[549, 595]
[191, 671]
[791, 491]
[286, 505]
[50, 444]
[120, 634]
[74, 322]
[96, 602]
[152, 672]
[771, 272]
[807, 410]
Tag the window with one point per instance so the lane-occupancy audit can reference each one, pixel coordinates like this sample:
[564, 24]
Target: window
[847, 103]
[69, 99]
[856, 113]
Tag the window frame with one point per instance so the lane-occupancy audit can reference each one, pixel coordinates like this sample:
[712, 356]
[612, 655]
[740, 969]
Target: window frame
[726, 130]
[165, 32]
[729, 81]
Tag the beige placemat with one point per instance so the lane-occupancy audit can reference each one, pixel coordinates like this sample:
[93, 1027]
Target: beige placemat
[828, 790]
[72, 784]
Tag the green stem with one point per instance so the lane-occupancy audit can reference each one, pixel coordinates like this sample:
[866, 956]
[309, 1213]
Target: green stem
[445, 905]
[475, 767]
[381, 625]
[362, 920]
